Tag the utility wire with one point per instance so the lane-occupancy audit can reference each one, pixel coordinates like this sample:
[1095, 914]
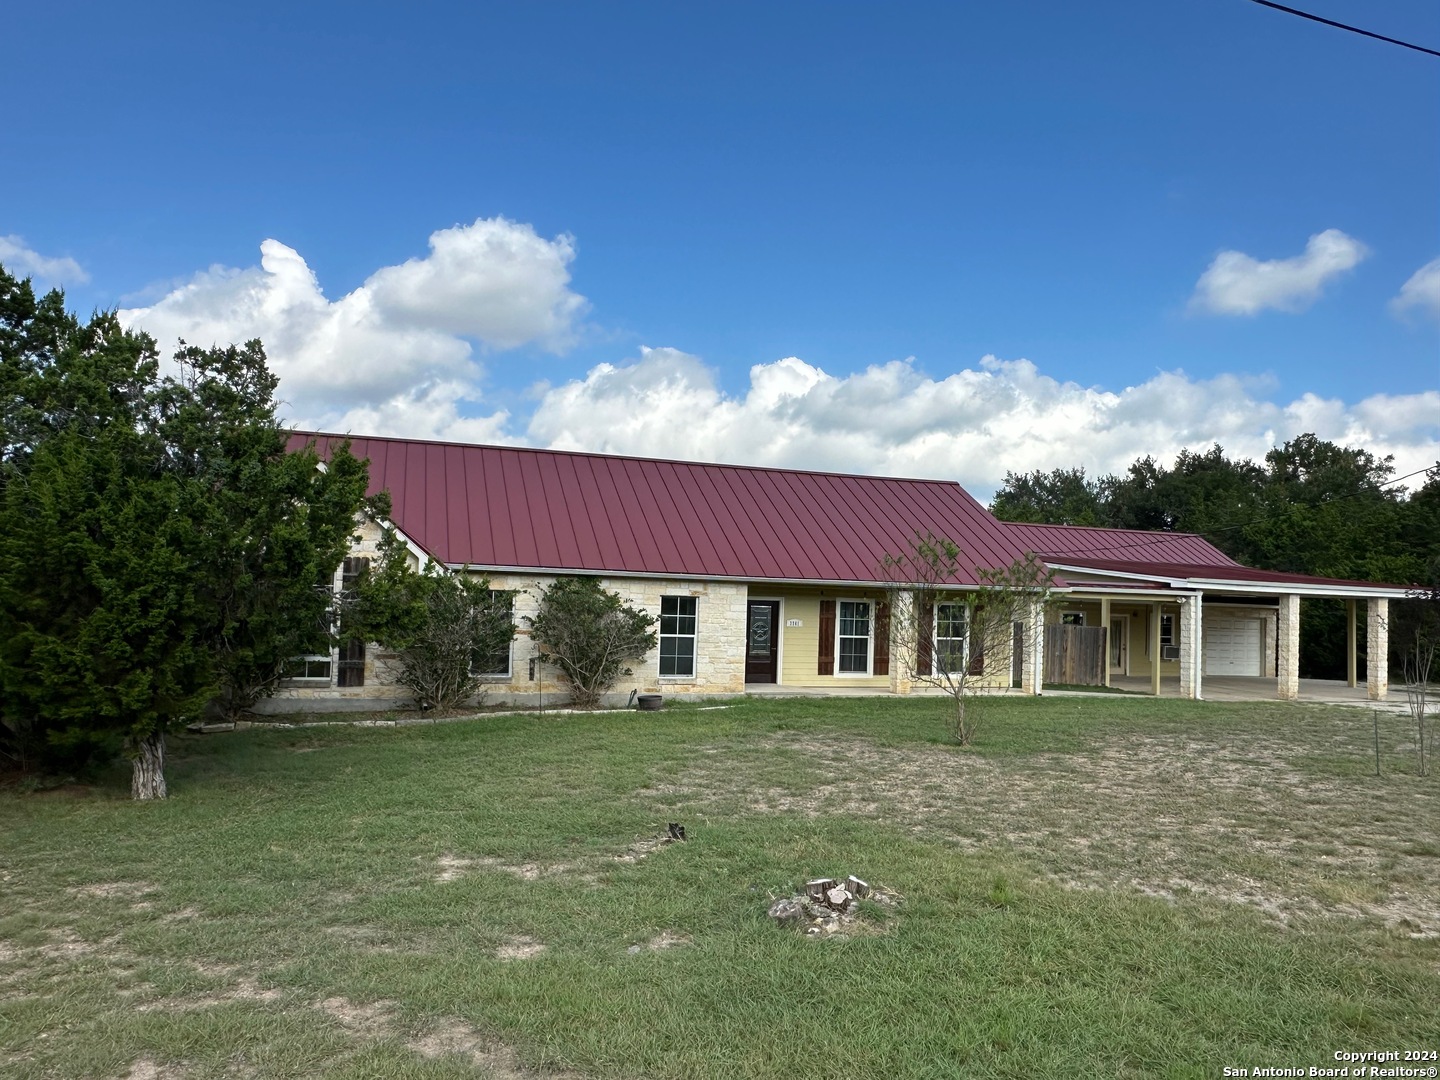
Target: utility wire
[1172, 538]
[1343, 26]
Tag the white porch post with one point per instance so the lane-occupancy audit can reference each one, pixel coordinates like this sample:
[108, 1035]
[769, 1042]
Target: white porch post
[1032, 672]
[1350, 679]
[902, 606]
[1190, 647]
[1377, 648]
[1105, 622]
[1155, 648]
[1288, 663]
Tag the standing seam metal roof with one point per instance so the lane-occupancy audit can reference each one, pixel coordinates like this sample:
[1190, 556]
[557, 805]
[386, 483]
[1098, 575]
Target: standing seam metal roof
[524, 508]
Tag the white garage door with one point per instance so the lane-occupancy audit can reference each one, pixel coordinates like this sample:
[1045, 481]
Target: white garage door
[1232, 646]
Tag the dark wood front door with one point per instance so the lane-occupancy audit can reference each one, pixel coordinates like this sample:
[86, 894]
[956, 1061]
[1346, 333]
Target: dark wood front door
[762, 640]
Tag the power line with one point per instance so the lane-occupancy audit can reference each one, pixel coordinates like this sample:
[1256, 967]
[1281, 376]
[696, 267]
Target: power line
[1343, 26]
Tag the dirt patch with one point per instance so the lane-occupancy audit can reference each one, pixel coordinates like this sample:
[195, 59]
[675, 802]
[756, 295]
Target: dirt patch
[454, 867]
[375, 940]
[666, 939]
[370, 1021]
[455, 1038]
[243, 989]
[110, 890]
[519, 948]
[146, 1068]
[1235, 818]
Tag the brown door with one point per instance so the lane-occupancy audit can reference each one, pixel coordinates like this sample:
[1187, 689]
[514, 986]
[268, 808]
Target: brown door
[762, 641]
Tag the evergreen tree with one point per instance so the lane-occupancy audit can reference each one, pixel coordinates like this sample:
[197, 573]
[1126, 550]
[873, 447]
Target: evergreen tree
[156, 540]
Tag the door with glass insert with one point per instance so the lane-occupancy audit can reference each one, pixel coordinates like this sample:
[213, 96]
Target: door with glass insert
[762, 640]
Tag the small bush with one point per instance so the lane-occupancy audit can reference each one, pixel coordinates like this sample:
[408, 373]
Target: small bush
[589, 634]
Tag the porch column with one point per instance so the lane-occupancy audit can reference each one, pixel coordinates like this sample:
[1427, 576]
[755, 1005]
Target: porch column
[1155, 648]
[1377, 647]
[1350, 679]
[902, 652]
[1105, 622]
[1287, 664]
[1032, 671]
[1190, 646]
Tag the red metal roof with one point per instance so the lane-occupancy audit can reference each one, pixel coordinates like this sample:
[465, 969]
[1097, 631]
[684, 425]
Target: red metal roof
[1130, 545]
[522, 508]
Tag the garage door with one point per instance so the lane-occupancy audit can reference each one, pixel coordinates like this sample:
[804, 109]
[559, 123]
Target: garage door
[1232, 646]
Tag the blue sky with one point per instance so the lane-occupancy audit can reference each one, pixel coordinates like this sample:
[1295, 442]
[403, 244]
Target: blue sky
[787, 234]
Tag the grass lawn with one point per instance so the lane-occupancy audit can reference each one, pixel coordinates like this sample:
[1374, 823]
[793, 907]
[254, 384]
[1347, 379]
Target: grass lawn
[1102, 887]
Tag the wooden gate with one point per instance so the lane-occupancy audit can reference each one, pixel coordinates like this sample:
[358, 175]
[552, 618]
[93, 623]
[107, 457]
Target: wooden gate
[1075, 655]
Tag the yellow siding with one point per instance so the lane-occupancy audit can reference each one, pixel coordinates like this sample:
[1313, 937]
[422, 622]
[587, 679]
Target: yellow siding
[800, 645]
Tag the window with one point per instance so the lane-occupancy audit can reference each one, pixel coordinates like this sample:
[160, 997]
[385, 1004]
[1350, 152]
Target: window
[309, 667]
[950, 634]
[854, 637]
[316, 663]
[677, 636]
[495, 663]
[1167, 630]
[352, 652]
[1072, 618]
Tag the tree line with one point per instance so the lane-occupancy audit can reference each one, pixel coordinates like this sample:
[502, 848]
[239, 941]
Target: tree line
[1309, 507]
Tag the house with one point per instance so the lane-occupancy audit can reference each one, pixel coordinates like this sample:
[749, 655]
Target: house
[774, 578]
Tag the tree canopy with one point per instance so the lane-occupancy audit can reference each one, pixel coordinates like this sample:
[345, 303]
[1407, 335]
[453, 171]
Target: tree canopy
[157, 543]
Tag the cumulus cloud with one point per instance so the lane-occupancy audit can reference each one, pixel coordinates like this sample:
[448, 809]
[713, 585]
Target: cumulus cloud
[1236, 284]
[23, 261]
[404, 340]
[1421, 292]
[970, 426]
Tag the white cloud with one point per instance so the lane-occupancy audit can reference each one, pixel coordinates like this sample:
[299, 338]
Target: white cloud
[23, 261]
[400, 339]
[970, 426]
[1421, 291]
[1236, 284]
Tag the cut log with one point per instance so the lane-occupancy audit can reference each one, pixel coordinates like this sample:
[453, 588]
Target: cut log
[838, 898]
[816, 890]
[857, 887]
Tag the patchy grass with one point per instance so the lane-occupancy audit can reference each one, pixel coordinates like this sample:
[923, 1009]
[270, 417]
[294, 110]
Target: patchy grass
[1101, 887]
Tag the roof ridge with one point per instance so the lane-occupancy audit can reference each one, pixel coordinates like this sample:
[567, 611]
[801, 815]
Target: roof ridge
[632, 457]
[1106, 528]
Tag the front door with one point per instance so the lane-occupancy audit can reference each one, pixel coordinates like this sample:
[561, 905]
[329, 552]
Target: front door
[762, 641]
[1120, 645]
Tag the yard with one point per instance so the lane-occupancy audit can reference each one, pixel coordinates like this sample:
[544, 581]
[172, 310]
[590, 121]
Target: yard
[1102, 887]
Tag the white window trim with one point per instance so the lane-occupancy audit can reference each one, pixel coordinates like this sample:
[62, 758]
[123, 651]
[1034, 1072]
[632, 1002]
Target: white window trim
[508, 675]
[935, 637]
[695, 638]
[869, 638]
[1174, 641]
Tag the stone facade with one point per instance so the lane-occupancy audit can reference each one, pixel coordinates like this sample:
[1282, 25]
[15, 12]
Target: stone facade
[1191, 620]
[1288, 652]
[1377, 648]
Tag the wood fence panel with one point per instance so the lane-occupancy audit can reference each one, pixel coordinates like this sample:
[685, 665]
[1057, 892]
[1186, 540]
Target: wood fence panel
[1075, 655]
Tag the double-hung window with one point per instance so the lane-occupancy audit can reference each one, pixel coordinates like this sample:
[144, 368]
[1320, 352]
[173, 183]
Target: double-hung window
[951, 634]
[1167, 631]
[493, 662]
[853, 653]
[677, 637]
